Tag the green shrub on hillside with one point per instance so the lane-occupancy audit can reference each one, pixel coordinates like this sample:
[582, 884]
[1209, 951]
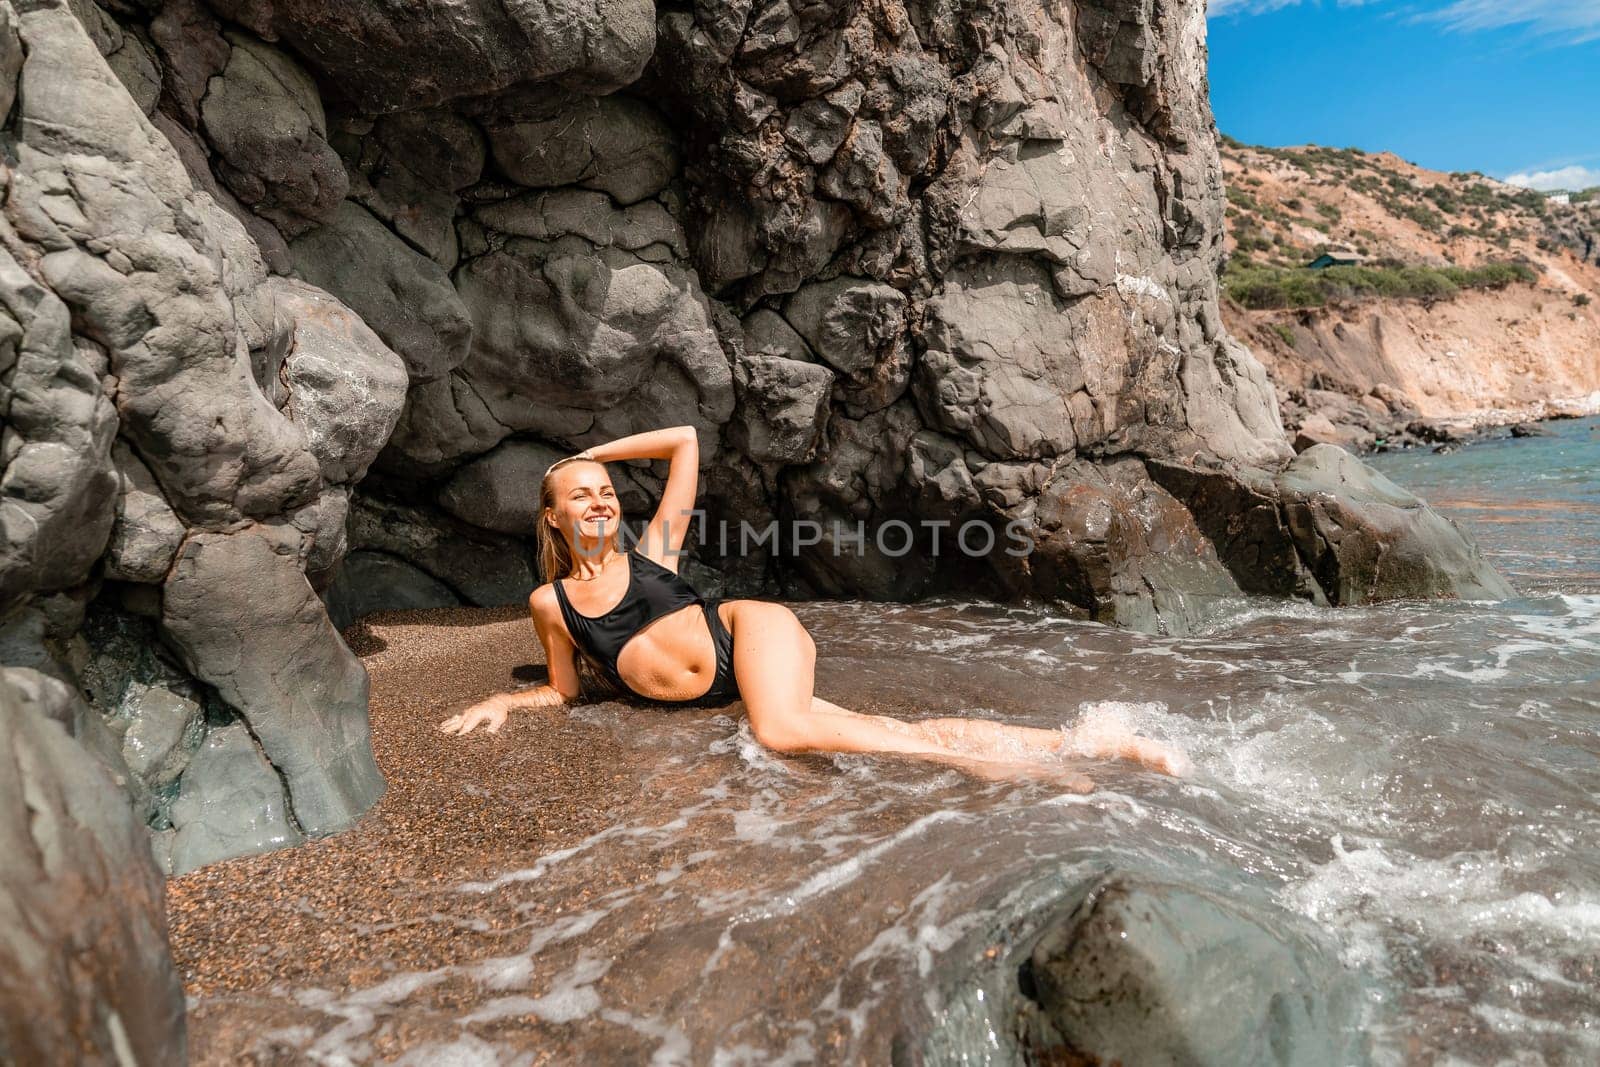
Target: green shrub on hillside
[1263, 288]
[1241, 199]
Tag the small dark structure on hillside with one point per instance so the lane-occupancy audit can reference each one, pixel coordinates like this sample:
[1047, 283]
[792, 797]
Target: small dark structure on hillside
[1337, 257]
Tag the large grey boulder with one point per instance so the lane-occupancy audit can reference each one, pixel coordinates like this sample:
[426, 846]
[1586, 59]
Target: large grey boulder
[85, 972]
[1150, 973]
[246, 622]
[1366, 539]
[1109, 539]
[782, 410]
[230, 803]
[1331, 529]
[345, 386]
[102, 196]
[263, 116]
[406, 298]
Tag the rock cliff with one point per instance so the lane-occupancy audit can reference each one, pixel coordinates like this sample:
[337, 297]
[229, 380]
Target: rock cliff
[301, 298]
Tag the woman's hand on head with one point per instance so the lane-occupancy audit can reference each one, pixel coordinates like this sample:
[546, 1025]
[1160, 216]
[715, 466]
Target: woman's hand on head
[491, 712]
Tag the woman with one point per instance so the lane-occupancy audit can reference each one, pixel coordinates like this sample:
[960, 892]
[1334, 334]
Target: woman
[630, 623]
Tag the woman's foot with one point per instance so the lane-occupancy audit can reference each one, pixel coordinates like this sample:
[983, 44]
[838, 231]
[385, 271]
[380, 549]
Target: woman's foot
[1102, 735]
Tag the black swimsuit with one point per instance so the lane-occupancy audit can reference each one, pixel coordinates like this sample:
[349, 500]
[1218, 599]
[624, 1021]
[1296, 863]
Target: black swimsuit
[653, 591]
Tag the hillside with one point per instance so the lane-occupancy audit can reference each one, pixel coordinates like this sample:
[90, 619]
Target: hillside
[1470, 302]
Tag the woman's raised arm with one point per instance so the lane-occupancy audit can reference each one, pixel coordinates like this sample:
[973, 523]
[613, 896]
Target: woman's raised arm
[680, 446]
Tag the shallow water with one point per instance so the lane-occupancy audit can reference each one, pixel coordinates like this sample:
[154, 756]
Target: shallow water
[1421, 781]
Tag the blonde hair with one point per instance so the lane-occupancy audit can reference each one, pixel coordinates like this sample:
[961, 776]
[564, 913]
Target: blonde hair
[555, 562]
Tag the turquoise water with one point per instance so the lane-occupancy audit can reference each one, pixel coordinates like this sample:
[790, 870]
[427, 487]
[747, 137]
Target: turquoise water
[1533, 503]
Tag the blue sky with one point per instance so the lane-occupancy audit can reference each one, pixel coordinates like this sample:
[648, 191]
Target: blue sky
[1507, 87]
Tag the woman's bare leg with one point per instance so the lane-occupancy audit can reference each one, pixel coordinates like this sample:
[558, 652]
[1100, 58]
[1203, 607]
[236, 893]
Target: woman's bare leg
[775, 666]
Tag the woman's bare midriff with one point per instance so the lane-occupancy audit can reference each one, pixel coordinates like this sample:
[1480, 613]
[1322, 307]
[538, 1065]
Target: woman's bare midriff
[672, 658]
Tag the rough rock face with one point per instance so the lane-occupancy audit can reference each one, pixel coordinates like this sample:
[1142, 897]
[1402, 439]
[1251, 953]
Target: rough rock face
[899, 263]
[85, 973]
[181, 430]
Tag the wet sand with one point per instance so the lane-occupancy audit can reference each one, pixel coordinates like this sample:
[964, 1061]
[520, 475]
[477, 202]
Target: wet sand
[259, 940]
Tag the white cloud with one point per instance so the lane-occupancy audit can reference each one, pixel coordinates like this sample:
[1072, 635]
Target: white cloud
[1261, 7]
[1246, 7]
[1573, 177]
[1575, 21]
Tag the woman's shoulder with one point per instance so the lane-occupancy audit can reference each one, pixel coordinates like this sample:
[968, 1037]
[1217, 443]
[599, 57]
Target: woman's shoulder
[543, 599]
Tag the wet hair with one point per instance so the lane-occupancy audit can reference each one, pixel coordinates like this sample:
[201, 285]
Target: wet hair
[555, 561]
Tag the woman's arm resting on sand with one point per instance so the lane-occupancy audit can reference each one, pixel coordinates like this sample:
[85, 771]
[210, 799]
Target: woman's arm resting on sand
[680, 446]
[558, 654]
[492, 711]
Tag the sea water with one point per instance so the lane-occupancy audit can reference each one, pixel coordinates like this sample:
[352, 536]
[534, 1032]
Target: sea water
[1419, 781]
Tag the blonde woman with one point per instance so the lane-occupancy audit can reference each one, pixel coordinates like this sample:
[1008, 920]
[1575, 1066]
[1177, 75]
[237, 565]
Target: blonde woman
[615, 620]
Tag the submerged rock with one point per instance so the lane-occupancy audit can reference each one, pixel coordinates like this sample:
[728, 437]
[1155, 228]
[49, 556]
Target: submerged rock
[1136, 969]
[1161, 974]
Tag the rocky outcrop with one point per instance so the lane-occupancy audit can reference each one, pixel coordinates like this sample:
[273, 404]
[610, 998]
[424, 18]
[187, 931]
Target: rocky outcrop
[182, 429]
[302, 299]
[85, 972]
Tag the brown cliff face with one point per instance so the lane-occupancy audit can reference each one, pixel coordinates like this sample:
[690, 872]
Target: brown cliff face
[896, 262]
[1489, 352]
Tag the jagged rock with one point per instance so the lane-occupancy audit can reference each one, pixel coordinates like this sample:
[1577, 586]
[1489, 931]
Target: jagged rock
[146, 534]
[264, 117]
[404, 297]
[345, 386]
[782, 410]
[230, 803]
[85, 972]
[1106, 538]
[859, 327]
[244, 620]
[407, 170]
[163, 731]
[570, 341]
[135, 254]
[1004, 370]
[860, 479]
[58, 491]
[1319, 430]
[615, 144]
[457, 47]
[1366, 539]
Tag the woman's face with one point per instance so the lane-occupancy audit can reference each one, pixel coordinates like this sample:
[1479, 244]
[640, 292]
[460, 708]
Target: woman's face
[586, 508]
